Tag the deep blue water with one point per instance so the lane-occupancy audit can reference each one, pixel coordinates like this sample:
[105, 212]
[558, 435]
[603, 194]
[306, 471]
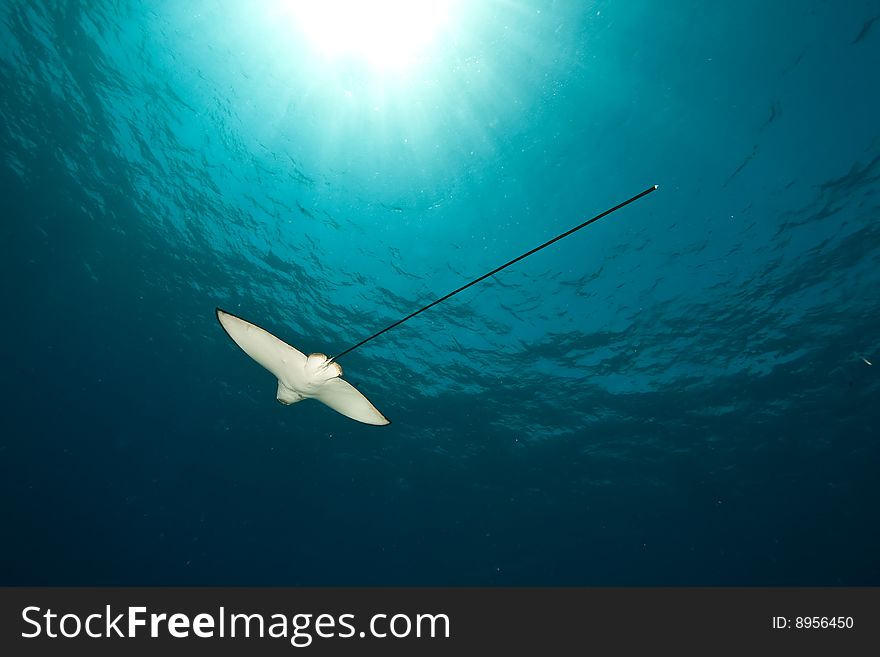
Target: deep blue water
[678, 394]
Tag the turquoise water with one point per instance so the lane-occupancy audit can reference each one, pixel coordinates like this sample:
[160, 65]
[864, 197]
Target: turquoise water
[679, 394]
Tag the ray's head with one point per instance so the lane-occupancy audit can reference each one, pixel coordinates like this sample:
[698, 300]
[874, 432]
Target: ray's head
[320, 367]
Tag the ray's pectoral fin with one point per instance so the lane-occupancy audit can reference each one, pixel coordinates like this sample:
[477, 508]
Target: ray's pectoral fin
[275, 355]
[344, 398]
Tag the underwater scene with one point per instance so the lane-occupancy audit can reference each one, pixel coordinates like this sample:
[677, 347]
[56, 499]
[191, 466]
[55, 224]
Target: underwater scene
[686, 392]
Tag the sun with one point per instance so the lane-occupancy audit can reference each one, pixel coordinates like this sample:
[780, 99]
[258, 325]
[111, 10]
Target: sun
[386, 34]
